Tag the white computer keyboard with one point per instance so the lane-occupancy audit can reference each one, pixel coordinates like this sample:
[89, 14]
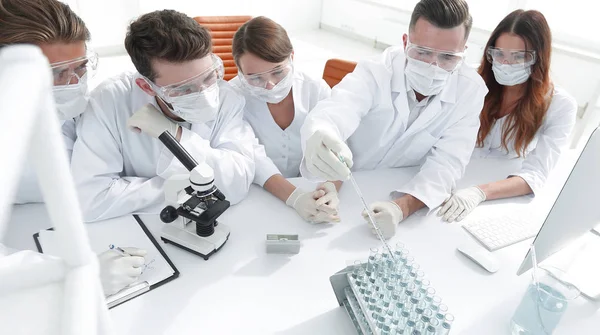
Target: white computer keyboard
[499, 232]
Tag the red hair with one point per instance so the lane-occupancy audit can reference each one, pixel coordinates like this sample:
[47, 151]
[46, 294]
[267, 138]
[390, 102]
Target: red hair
[529, 111]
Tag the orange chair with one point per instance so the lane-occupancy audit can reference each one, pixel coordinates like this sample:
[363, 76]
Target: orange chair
[336, 69]
[222, 29]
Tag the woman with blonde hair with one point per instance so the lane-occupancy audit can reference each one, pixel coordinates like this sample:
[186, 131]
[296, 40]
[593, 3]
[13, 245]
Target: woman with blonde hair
[524, 114]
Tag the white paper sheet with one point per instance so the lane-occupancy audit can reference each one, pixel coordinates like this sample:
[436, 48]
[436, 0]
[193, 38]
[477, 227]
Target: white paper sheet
[122, 232]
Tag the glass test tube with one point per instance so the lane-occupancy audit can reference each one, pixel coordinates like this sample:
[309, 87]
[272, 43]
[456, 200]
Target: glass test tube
[368, 294]
[422, 284]
[441, 312]
[411, 323]
[371, 261]
[427, 315]
[410, 289]
[358, 273]
[419, 278]
[429, 294]
[381, 321]
[404, 316]
[408, 263]
[421, 307]
[400, 252]
[415, 268]
[447, 324]
[435, 303]
[432, 327]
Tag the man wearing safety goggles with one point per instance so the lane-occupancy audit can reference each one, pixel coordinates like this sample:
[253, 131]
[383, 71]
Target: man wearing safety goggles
[62, 37]
[42, 23]
[178, 88]
[416, 105]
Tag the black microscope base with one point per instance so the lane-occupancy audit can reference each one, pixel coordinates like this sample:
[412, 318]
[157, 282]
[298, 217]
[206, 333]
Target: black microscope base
[206, 257]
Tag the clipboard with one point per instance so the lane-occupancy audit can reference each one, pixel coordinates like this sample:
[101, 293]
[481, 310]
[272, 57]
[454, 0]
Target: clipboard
[139, 235]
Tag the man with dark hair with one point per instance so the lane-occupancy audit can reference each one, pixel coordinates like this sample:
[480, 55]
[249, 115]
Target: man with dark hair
[415, 105]
[178, 87]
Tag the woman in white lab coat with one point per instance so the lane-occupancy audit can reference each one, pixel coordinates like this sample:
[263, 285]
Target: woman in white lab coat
[278, 98]
[525, 115]
[62, 37]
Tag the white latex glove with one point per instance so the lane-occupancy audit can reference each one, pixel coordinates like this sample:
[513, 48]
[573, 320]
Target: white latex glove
[321, 158]
[461, 203]
[330, 201]
[305, 203]
[387, 216]
[117, 271]
[151, 121]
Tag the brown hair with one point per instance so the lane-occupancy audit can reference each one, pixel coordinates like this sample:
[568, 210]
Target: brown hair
[444, 14]
[263, 38]
[530, 110]
[166, 35]
[38, 22]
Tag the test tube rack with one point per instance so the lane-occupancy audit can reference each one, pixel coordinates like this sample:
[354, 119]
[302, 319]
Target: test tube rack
[389, 296]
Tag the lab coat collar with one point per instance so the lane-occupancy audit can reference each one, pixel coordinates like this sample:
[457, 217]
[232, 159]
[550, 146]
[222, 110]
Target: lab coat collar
[448, 94]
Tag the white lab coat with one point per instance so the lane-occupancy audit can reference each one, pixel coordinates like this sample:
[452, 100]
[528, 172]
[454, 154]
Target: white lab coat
[543, 151]
[118, 171]
[282, 146]
[29, 189]
[440, 140]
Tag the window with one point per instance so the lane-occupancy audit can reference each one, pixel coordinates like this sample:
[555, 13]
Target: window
[572, 22]
[486, 18]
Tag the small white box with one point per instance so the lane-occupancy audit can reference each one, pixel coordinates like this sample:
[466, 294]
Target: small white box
[283, 244]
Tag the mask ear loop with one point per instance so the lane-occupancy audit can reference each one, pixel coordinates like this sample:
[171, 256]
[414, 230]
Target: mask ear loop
[158, 96]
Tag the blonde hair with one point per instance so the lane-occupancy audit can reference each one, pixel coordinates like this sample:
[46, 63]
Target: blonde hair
[40, 21]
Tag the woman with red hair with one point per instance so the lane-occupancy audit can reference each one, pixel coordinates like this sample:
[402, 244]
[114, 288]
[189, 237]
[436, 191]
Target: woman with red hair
[524, 114]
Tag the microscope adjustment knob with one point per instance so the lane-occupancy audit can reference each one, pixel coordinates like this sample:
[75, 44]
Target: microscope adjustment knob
[168, 214]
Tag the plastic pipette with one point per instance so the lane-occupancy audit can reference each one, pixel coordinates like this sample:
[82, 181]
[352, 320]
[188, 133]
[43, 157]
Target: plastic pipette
[368, 211]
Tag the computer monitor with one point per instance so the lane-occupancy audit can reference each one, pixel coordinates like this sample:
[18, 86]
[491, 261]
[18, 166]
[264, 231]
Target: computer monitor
[576, 210]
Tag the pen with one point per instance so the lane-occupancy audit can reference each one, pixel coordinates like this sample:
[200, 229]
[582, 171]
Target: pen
[118, 249]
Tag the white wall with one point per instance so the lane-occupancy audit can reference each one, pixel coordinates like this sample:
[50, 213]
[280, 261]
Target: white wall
[108, 19]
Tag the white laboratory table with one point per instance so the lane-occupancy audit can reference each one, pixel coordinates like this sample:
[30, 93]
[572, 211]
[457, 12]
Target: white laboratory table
[243, 290]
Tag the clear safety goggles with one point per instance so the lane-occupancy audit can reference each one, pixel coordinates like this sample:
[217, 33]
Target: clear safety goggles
[268, 78]
[195, 84]
[71, 71]
[509, 56]
[446, 60]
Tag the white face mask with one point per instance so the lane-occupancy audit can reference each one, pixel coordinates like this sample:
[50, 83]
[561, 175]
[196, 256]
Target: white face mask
[424, 78]
[276, 94]
[71, 100]
[511, 74]
[198, 107]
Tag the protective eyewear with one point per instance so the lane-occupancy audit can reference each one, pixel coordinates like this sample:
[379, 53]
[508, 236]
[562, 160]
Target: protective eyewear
[270, 78]
[446, 60]
[509, 56]
[71, 71]
[195, 84]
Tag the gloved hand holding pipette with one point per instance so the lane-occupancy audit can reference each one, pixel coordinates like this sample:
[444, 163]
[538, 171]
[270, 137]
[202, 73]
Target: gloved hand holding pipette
[322, 156]
[120, 267]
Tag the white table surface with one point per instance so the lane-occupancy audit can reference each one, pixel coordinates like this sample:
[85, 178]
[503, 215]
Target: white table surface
[243, 290]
